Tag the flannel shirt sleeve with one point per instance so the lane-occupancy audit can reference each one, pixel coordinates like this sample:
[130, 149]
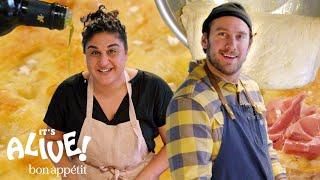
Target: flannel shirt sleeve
[190, 144]
[279, 171]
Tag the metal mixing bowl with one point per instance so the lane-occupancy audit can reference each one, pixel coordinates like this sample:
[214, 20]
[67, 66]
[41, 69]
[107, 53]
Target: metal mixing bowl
[170, 11]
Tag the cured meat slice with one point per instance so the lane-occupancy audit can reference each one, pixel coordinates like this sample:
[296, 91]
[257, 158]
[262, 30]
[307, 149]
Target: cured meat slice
[308, 110]
[278, 144]
[277, 107]
[297, 133]
[310, 150]
[311, 124]
[294, 127]
[274, 111]
[291, 115]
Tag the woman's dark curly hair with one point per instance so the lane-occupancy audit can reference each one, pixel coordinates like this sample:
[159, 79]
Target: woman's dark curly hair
[101, 21]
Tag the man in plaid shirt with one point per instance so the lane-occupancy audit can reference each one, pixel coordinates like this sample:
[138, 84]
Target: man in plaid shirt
[216, 123]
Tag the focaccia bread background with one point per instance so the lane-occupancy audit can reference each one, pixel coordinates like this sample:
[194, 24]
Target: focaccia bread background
[35, 60]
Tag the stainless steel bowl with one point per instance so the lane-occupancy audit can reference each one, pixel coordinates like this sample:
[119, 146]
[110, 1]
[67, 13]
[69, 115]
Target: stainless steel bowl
[171, 10]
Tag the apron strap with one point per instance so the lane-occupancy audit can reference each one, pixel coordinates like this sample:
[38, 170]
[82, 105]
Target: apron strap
[214, 83]
[251, 101]
[89, 98]
[132, 114]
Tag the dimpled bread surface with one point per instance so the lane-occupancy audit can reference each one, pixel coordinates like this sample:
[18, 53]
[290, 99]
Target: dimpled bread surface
[34, 61]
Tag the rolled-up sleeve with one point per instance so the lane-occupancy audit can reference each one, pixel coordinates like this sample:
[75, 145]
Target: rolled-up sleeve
[189, 137]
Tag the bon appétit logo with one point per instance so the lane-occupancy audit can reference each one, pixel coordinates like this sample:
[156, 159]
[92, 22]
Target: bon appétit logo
[46, 148]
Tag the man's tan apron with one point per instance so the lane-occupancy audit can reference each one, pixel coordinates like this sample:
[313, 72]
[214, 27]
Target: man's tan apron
[114, 152]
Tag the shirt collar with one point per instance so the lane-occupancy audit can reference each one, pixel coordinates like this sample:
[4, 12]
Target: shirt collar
[196, 70]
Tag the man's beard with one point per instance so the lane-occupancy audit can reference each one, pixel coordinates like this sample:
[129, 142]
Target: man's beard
[215, 63]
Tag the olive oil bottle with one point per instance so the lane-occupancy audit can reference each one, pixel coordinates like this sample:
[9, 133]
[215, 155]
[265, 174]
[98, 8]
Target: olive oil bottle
[32, 13]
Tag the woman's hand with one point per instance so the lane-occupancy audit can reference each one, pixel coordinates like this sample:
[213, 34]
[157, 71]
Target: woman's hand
[159, 162]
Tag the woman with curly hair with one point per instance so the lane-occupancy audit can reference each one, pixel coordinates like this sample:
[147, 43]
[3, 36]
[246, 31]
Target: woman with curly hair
[121, 109]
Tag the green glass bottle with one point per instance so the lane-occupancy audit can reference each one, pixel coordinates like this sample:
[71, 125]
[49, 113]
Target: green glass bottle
[32, 13]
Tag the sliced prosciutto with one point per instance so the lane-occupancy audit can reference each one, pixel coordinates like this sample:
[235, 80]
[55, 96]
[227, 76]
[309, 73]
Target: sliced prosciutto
[310, 150]
[289, 116]
[294, 127]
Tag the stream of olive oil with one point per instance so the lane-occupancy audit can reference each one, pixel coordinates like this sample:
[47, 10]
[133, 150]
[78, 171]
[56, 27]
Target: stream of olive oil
[70, 25]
